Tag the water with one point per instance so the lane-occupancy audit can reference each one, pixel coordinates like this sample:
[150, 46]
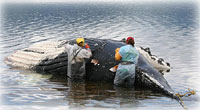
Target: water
[169, 29]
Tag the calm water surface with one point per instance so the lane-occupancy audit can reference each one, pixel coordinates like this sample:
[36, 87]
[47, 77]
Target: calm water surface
[169, 29]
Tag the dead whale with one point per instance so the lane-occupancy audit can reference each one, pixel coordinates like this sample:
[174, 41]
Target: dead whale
[50, 57]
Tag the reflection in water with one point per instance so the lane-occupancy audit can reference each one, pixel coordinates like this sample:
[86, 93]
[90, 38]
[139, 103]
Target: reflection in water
[26, 88]
[100, 94]
[103, 94]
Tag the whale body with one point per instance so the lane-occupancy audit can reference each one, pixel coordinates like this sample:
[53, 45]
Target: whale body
[53, 60]
[146, 74]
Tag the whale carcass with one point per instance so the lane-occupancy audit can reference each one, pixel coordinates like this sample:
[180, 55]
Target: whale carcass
[50, 57]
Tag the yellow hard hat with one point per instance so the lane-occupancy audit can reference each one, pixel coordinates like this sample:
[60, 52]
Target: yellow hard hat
[80, 41]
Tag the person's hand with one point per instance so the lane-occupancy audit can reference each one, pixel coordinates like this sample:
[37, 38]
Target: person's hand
[117, 50]
[87, 46]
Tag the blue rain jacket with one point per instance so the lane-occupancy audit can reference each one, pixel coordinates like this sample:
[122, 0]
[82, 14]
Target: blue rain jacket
[129, 54]
[125, 74]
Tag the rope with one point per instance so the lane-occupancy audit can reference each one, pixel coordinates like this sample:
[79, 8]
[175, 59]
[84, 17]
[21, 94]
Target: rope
[187, 94]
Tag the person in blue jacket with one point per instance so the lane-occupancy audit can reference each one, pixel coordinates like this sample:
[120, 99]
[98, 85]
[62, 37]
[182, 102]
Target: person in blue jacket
[128, 55]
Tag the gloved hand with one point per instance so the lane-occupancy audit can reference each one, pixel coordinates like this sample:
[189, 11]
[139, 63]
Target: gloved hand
[117, 55]
[117, 50]
[87, 46]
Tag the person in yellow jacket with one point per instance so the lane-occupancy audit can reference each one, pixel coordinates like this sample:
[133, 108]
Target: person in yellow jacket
[76, 58]
[128, 55]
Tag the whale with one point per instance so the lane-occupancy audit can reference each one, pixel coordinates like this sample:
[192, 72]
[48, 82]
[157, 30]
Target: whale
[146, 75]
[53, 60]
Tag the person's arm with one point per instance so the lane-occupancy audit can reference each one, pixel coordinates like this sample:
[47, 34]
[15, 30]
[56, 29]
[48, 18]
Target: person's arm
[67, 47]
[86, 53]
[117, 55]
